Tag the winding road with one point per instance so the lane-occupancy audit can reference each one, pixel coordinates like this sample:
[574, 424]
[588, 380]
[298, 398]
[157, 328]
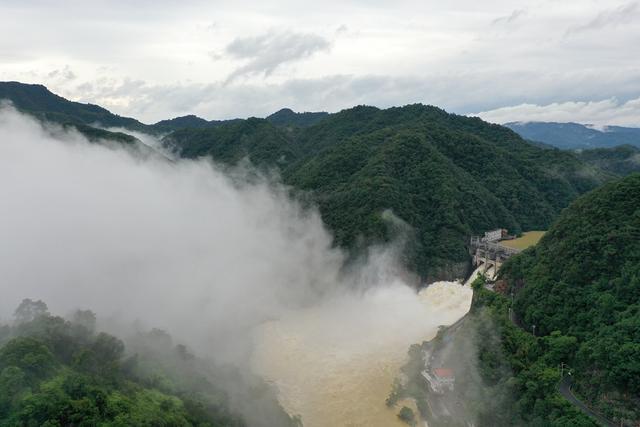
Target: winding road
[564, 388]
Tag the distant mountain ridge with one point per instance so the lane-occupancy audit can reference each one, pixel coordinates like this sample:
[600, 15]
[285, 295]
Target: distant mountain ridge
[284, 117]
[572, 136]
[38, 100]
[621, 160]
[287, 117]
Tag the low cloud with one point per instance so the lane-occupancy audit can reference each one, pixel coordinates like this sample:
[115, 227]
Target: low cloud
[179, 245]
[64, 74]
[600, 113]
[621, 15]
[265, 53]
[511, 18]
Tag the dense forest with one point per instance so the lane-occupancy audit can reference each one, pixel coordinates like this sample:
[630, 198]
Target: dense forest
[622, 160]
[60, 372]
[446, 176]
[567, 312]
[580, 287]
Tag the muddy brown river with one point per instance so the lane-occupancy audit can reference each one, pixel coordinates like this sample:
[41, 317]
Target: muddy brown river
[334, 364]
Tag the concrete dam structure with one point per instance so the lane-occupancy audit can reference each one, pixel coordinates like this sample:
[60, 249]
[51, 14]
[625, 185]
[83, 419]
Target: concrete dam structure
[488, 253]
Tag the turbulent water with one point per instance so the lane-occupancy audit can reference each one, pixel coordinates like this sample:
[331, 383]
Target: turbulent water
[334, 364]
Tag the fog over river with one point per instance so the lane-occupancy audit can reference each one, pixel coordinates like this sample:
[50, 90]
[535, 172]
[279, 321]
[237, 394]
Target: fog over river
[334, 364]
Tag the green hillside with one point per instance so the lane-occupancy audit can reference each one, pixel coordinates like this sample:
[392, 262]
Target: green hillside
[255, 139]
[621, 160]
[59, 372]
[447, 176]
[188, 122]
[87, 119]
[287, 117]
[38, 100]
[581, 284]
[575, 320]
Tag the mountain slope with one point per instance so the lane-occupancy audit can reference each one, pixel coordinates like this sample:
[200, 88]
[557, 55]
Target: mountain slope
[255, 139]
[622, 160]
[189, 122]
[447, 176]
[39, 101]
[287, 117]
[583, 281]
[571, 136]
[56, 372]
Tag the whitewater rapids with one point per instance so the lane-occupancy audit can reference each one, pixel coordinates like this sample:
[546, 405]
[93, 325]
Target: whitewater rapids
[334, 364]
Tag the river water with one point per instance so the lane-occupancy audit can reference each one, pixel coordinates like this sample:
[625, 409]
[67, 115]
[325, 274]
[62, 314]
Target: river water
[334, 364]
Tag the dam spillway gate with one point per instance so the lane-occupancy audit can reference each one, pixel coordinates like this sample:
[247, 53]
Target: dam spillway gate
[490, 255]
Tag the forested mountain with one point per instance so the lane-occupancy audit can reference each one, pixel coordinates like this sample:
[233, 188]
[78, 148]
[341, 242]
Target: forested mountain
[580, 287]
[447, 176]
[621, 160]
[255, 139]
[287, 117]
[576, 322]
[59, 372]
[189, 122]
[571, 136]
[39, 101]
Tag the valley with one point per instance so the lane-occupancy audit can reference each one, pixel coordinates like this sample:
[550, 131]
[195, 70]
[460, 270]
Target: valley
[343, 217]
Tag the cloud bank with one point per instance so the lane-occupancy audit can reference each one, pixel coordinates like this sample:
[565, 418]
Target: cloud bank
[182, 246]
[154, 62]
[621, 15]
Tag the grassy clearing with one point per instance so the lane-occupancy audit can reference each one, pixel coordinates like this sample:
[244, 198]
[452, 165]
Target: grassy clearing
[529, 238]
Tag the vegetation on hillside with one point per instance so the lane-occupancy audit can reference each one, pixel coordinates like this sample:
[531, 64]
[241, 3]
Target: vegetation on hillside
[504, 376]
[519, 372]
[87, 119]
[39, 101]
[255, 139]
[447, 176]
[289, 118]
[575, 315]
[622, 160]
[581, 285]
[444, 175]
[58, 372]
[189, 122]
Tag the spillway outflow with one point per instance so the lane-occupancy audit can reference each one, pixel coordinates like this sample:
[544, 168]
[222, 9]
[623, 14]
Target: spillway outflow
[334, 364]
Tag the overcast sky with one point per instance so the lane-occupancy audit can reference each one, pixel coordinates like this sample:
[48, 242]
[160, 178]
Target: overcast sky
[509, 60]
